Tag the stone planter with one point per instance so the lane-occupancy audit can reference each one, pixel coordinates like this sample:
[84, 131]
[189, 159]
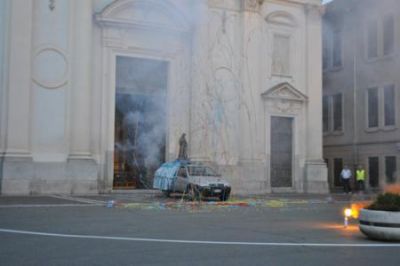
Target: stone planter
[382, 225]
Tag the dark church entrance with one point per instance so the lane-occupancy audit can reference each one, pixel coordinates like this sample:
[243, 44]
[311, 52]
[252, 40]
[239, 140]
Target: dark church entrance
[140, 121]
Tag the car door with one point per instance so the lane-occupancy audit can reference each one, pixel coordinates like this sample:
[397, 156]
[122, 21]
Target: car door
[181, 179]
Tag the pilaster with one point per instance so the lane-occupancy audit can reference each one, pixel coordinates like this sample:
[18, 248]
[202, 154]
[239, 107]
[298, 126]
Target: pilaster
[51, 79]
[199, 122]
[81, 100]
[4, 38]
[250, 101]
[19, 79]
[316, 180]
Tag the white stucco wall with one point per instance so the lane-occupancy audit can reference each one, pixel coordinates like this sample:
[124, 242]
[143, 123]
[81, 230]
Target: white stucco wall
[221, 89]
[4, 24]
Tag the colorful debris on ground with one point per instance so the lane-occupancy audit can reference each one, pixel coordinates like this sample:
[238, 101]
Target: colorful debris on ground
[197, 206]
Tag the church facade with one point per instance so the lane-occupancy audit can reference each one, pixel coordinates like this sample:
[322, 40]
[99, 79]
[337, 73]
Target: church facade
[95, 94]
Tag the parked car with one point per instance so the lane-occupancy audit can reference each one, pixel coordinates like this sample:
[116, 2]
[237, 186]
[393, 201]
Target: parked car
[194, 179]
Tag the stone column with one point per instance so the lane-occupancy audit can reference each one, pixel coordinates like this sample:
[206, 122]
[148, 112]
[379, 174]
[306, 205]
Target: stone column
[4, 33]
[252, 141]
[199, 125]
[19, 86]
[81, 168]
[316, 180]
[80, 104]
[51, 80]
[17, 164]
[250, 96]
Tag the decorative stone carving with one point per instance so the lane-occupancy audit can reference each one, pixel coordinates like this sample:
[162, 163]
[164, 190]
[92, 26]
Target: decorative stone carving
[252, 5]
[281, 18]
[284, 106]
[284, 91]
[52, 4]
[284, 98]
[50, 67]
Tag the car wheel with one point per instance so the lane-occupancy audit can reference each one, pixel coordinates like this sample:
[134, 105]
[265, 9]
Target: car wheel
[166, 193]
[224, 196]
[193, 192]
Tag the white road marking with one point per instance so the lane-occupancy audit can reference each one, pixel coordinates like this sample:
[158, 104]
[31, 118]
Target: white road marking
[48, 205]
[177, 241]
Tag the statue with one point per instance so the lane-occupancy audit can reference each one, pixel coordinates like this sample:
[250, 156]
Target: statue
[183, 148]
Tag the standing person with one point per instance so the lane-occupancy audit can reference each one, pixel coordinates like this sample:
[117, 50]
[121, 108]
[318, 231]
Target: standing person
[360, 178]
[346, 176]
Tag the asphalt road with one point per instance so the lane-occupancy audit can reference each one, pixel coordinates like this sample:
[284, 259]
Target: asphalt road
[87, 233]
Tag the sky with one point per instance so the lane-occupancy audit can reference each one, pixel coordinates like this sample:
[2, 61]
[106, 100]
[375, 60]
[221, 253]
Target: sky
[326, 1]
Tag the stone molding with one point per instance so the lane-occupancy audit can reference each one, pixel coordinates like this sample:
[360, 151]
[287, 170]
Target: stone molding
[58, 81]
[284, 98]
[281, 18]
[284, 91]
[314, 11]
[111, 16]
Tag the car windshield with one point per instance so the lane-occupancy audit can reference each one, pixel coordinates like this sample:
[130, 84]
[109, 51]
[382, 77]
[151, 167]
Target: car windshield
[201, 171]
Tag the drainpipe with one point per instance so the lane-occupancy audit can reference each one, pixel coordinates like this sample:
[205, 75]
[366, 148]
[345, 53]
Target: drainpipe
[355, 121]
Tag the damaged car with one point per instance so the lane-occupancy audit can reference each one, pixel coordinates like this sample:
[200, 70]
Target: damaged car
[193, 179]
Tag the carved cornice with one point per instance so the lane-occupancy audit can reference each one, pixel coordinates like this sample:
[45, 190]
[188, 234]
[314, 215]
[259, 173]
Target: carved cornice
[314, 10]
[110, 16]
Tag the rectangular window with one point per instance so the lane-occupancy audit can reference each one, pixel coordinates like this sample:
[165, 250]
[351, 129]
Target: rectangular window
[389, 101]
[337, 49]
[373, 107]
[372, 39]
[281, 55]
[390, 169]
[388, 35]
[337, 112]
[325, 113]
[337, 169]
[373, 171]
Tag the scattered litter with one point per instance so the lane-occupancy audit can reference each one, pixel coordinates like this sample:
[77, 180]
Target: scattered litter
[110, 203]
[275, 203]
[204, 206]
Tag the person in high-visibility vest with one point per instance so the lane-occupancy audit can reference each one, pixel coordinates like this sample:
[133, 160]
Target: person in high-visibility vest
[360, 178]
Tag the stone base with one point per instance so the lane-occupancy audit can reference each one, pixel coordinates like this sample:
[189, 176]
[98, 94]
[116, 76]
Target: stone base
[22, 176]
[246, 178]
[316, 178]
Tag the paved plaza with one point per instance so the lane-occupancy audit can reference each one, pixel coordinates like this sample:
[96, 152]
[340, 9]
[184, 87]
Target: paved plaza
[144, 228]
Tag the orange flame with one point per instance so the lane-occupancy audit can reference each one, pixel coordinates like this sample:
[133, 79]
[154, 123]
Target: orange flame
[357, 206]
